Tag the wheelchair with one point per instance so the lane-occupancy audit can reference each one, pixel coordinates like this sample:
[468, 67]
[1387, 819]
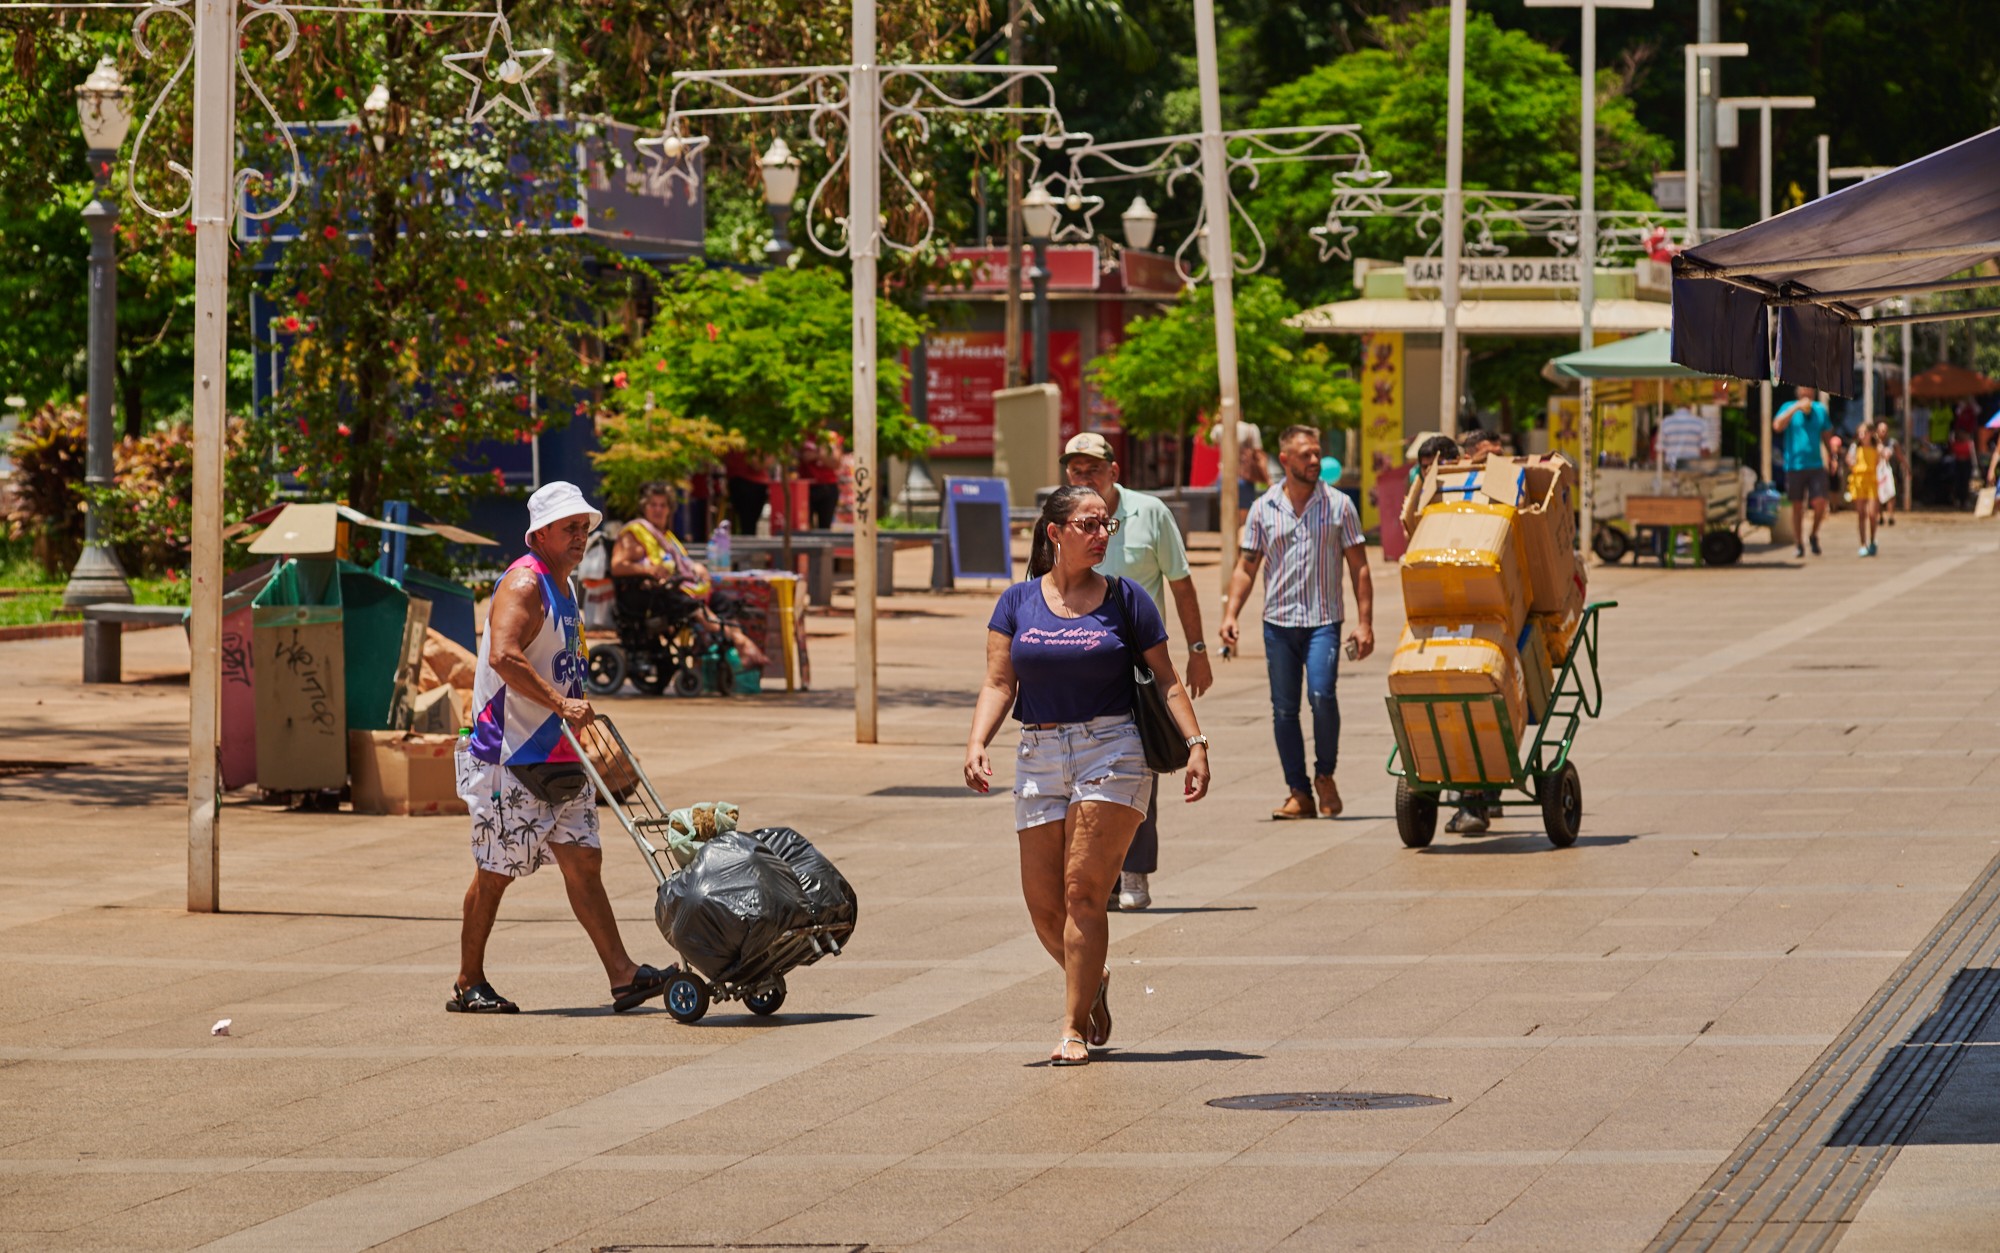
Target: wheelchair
[664, 638]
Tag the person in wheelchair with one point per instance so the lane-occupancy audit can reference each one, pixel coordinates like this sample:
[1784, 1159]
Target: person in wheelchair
[662, 607]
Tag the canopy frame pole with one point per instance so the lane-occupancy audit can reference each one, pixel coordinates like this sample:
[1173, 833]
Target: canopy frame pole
[1940, 315]
[1695, 268]
[1880, 293]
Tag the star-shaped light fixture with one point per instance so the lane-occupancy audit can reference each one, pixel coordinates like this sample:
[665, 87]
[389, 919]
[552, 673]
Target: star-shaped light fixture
[514, 69]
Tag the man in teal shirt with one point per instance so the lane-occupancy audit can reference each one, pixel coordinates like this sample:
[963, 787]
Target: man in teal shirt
[1148, 550]
[1803, 424]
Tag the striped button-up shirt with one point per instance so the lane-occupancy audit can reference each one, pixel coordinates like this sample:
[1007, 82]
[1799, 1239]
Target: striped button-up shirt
[1303, 554]
[1682, 435]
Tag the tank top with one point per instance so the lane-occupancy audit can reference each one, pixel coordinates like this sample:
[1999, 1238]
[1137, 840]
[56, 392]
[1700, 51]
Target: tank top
[664, 549]
[520, 732]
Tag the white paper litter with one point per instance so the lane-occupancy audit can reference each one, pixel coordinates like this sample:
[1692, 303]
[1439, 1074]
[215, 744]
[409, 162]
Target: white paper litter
[222, 1028]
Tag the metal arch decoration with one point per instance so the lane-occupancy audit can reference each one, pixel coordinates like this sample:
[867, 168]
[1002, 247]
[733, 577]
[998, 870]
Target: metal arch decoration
[283, 13]
[824, 94]
[1170, 158]
[1489, 218]
[510, 73]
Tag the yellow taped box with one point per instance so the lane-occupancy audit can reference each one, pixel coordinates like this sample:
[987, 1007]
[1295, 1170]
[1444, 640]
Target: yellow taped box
[1464, 562]
[1473, 659]
[1559, 628]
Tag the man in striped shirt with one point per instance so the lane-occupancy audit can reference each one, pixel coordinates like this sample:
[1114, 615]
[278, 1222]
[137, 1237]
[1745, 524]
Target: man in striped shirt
[1302, 531]
[1683, 436]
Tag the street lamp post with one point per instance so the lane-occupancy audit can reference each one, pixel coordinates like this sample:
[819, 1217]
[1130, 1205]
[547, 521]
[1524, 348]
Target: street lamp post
[1038, 218]
[102, 108]
[1449, 384]
[1763, 105]
[1698, 88]
[1586, 241]
[780, 170]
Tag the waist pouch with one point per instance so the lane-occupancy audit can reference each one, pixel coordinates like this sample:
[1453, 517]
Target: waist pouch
[554, 783]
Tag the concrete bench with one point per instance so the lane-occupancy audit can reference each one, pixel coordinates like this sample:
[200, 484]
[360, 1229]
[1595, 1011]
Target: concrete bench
[747, 551]
[886, 544]
[103, 635]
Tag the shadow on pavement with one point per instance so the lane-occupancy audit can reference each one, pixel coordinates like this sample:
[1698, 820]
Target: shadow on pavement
[1524, 843]
[1183, 1055]
[1190, 909]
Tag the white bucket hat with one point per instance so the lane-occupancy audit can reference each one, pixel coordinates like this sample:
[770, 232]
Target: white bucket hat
[552, 502]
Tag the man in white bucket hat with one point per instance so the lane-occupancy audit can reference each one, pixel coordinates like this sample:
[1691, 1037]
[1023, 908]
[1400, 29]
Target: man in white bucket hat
[530, 800]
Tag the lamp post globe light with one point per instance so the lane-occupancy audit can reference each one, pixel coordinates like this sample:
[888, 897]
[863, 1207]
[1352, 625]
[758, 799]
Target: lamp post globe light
[102, 108]
[1139, 220]
[780, 170]
[1038, 218]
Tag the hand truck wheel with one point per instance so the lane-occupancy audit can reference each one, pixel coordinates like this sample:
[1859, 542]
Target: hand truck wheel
[1416, 815]
[1562, 805]
[687, 997]
[765, 1001]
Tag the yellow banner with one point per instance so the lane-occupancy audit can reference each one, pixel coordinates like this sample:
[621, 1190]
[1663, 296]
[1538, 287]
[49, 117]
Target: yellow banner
[1565, 429]
[1381, 415]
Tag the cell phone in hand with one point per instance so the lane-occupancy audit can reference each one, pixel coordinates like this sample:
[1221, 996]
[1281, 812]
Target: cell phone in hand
[1353, 649]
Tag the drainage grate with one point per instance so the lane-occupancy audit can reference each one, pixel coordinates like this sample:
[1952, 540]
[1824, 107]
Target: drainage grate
[1303, 1102]
[8, 769]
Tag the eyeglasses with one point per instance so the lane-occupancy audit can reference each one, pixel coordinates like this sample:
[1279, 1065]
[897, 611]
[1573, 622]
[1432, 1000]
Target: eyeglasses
[1091, 526]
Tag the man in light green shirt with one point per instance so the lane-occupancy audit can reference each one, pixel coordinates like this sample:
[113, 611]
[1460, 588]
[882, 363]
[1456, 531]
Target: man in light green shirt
[1148, 550]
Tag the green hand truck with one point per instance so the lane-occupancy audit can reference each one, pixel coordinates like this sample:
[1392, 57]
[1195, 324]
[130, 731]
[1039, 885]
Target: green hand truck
[1542, 771]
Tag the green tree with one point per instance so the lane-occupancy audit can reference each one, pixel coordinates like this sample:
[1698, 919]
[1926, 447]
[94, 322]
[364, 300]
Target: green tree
[1522, 127]
[422, 307]
[1163, 376]
[761, 364]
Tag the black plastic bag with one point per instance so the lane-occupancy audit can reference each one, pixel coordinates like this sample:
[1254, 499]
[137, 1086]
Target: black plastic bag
[827, 890]
[726, 909]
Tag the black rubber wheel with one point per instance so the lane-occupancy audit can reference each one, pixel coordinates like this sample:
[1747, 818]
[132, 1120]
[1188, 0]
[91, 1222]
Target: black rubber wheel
[1416, 815]
[1721, 548]
[648, 679]
[687, 682]
[1562, 805]
[687, 997]
[606, 671]
[766, 1002]
[1610, 544]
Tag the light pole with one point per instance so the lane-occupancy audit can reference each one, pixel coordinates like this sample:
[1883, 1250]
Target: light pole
[101, 107]
[1586, 241]
[1038, 219]
[1763, 105]
[1698, 89]
[1454, 221]
[780, 170]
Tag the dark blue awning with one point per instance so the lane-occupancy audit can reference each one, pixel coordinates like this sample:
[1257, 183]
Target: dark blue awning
[1819, 265]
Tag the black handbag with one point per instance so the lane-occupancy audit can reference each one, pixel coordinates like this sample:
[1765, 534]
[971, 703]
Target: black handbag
[1165, 744]
[554, 783]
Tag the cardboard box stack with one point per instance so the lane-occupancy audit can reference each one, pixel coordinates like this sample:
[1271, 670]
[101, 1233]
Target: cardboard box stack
[1493, 589]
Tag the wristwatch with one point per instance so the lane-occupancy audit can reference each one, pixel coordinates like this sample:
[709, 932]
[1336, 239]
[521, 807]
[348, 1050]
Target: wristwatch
[1193, 740]
[1199, 646]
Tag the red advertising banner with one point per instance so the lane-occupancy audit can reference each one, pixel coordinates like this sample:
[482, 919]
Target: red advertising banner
[967, 367]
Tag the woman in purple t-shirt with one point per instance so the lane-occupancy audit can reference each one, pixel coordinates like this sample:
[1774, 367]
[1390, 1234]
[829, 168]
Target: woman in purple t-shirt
[1059, 652]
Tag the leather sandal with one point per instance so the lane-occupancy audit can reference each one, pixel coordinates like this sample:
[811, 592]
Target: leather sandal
[1098, 1028]
[646, 984]
[480, 998]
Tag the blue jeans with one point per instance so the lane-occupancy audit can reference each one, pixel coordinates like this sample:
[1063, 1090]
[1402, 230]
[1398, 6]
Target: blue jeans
[1308, 656]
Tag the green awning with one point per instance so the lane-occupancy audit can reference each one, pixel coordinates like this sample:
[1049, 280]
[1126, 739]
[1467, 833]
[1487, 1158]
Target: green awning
[1647, 356]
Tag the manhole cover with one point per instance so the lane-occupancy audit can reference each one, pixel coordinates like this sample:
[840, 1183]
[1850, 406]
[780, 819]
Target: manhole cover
[8, 769]
[1306, 1101]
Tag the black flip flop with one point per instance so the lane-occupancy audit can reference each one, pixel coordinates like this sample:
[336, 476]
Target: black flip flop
[646, 984]
[480, 998]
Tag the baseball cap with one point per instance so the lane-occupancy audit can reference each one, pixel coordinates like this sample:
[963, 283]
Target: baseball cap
[1088, 444]
[553, 502]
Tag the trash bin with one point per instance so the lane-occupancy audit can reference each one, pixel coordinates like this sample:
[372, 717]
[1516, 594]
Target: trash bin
[374, 610]
[300, 678]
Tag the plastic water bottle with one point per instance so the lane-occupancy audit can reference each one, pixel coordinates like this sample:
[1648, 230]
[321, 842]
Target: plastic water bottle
[718, 547]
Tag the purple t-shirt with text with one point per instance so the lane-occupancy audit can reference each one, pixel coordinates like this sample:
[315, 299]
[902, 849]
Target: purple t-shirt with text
[1075, 669]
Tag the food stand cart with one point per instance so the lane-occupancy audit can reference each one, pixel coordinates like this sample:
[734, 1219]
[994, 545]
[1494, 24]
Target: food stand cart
[1648, 510]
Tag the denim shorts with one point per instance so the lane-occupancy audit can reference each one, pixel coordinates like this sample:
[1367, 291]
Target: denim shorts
[1099, 760]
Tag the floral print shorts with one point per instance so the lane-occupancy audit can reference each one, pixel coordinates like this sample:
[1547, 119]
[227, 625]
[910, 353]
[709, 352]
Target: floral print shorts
[511, 830]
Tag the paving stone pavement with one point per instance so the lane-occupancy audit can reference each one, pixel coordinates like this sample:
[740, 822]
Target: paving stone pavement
[1794, 780]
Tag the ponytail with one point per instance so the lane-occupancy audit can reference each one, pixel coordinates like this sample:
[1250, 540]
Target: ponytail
[1056, 511]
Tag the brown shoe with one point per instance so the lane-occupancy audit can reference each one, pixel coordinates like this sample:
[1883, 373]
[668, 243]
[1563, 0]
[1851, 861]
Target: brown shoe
[1297, 805]
[1329, 796]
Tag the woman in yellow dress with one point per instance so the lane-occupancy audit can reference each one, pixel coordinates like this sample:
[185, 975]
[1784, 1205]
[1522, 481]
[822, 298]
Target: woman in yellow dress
[1863, 462]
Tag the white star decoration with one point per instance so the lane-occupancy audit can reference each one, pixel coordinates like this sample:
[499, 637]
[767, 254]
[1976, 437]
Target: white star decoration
[514, 70]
